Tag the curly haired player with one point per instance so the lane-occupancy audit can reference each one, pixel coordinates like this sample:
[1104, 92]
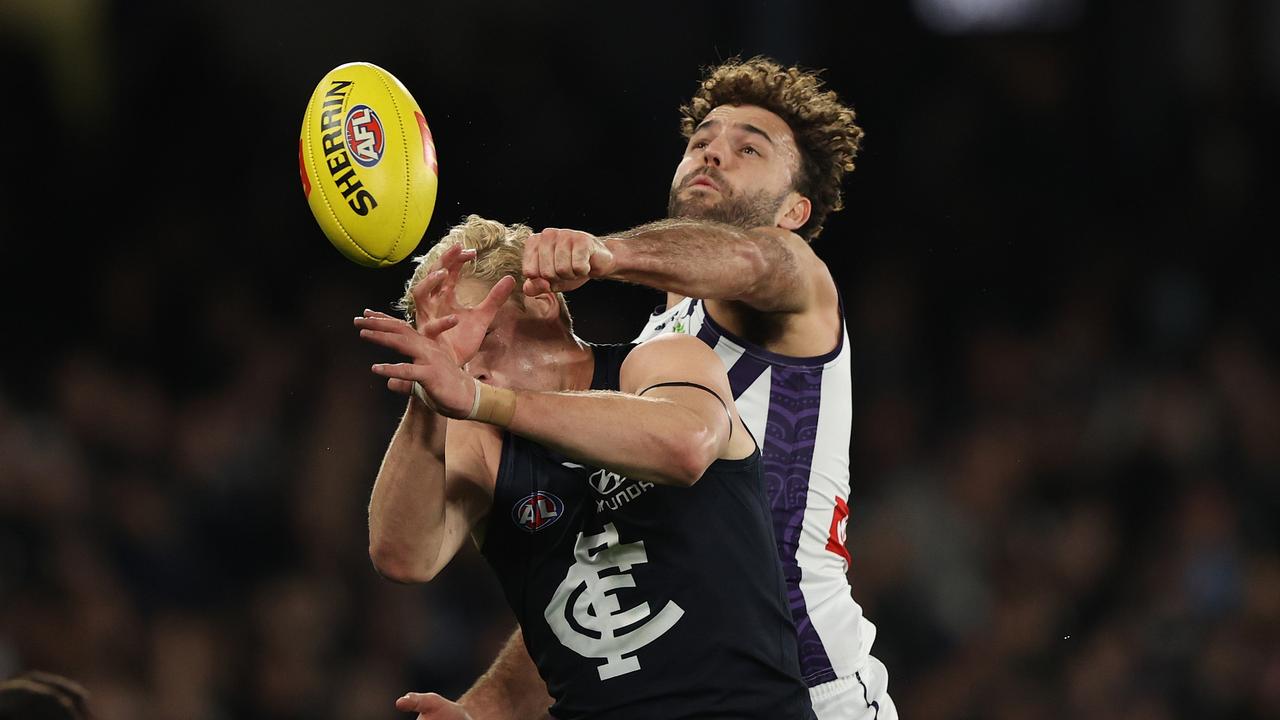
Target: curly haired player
[767, 149]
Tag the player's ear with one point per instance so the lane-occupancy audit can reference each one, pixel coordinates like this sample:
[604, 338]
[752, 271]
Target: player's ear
[794, 212]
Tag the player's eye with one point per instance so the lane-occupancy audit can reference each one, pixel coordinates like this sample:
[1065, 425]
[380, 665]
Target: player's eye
[698, 144]
[749, 150]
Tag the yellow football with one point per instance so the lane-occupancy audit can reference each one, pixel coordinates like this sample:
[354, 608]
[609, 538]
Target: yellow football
[368, 164]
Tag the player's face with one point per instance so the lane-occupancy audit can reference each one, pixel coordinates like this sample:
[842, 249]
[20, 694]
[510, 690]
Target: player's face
[518, 344]
[738, 168]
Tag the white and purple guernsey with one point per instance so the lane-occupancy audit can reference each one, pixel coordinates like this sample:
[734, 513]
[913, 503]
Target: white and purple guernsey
[800, 411]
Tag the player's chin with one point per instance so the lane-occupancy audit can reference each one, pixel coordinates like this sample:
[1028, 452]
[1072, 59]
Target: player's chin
[698, 205]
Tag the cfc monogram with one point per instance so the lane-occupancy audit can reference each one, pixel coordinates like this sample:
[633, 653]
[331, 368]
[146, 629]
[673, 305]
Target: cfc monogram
[585, 613]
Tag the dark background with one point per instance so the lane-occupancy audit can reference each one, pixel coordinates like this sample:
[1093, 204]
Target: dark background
[1056, 259]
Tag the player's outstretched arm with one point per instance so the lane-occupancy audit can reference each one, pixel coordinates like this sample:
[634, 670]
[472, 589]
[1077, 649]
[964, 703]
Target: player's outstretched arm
[423, 506]
[769, 269]
[653, 430]
[407, 507]
[673, 417]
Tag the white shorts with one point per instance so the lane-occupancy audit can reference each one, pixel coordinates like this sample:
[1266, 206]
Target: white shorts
[863, 695]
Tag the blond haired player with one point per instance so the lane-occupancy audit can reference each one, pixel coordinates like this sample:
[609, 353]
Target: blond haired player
[767, 149]
[612, 489]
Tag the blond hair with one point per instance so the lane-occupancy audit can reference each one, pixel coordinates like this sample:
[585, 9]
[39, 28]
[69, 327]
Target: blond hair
[499, 252]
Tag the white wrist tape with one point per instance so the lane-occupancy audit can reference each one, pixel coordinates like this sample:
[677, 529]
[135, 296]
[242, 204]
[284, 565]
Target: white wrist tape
[475, 404]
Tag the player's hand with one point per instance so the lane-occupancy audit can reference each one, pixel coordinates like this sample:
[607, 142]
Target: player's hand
[446, 388]
[431, 706]
[558, 260]
[400, 386]
[435, 297]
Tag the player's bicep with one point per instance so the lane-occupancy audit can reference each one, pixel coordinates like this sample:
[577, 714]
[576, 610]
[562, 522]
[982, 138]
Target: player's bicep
[683, 370]
[793, 278]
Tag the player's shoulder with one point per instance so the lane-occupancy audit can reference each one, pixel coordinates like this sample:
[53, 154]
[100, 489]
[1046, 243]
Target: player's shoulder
[670, 351]
[810, 287]
[822, 306]
[670, 343]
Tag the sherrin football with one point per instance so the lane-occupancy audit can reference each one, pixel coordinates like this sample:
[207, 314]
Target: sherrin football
[368, 164]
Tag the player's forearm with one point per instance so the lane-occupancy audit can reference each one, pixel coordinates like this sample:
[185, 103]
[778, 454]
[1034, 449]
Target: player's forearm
[406, 509]
[710, 260]
[511, 689]
[642, 438]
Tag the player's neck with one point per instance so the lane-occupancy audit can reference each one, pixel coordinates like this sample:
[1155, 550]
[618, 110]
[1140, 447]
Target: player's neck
[553, 363]
[576, 363]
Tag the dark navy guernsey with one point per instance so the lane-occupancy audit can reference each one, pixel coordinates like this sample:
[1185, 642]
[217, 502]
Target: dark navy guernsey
[645, 601]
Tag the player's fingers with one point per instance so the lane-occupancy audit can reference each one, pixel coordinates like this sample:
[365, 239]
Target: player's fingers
[452, 265]
[435, 326]
[427, 285]
[447, 257]
[547, 261]
[376, 314]
[394, 341]
[390, 325]
[498, 294]
[536, 286]
[430, 705]
[581, 257]
[456, 256]
[444, 293]
[409, 372]
[453, 270]
[564, 258]
[529, 264]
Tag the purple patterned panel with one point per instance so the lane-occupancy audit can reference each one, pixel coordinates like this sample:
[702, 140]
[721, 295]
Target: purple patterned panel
[790, 435]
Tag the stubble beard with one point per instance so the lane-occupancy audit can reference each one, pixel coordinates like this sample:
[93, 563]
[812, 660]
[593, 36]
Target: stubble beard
[745, 211]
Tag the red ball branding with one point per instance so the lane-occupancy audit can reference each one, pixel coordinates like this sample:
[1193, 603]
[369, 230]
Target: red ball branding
[428, 144]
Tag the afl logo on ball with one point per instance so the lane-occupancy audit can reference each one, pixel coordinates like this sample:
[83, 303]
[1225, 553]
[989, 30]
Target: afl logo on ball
[537, 511]
[365, 138]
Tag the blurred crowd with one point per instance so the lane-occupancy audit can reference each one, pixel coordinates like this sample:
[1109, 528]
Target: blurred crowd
[1066, 452]
[1085, 527]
